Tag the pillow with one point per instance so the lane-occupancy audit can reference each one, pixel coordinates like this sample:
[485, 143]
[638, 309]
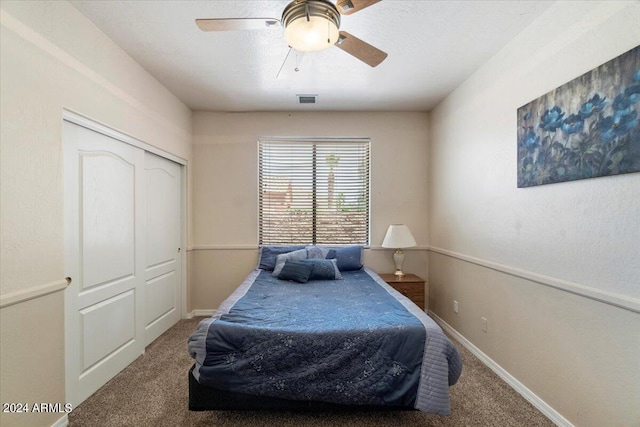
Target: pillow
[317, 252]
[289, 256]
[296, 271]
[268, 254]
[323, 269]
[349, 257]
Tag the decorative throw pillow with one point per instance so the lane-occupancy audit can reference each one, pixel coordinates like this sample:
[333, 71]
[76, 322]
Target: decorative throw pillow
[268, 254]
[323, 269]
[349, 257]
[297, 271]
[317, 252]
[289, 256]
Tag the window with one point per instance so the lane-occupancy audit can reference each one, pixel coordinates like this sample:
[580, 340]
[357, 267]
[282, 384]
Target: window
[314, 192]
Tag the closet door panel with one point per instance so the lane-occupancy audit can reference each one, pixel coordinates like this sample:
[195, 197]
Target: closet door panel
[108, 218]
[103, 230]
[120, 310]
[163, 225]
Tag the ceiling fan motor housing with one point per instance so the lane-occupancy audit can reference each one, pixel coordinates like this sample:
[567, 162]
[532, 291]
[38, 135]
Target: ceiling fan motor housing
[311, 25]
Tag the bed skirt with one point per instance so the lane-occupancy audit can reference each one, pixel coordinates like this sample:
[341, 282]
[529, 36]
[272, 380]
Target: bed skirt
[204, 398]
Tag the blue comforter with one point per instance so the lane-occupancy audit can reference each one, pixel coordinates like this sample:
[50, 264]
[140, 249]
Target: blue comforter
[354, 341]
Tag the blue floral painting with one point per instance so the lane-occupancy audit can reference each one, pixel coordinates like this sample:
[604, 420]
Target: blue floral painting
[586, 128]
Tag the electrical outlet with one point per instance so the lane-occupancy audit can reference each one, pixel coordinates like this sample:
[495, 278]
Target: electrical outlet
[484, 324]
[455, 306]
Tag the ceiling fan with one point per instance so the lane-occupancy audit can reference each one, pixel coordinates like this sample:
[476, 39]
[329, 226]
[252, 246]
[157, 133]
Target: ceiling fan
[309, 26]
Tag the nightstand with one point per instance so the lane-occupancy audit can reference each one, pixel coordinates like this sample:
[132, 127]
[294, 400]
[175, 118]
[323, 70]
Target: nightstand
[409, 285]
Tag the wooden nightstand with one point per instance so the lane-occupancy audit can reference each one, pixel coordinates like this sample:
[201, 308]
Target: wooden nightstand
[409, 285]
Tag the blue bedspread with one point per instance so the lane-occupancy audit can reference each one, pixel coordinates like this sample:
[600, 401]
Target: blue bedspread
[353, 341]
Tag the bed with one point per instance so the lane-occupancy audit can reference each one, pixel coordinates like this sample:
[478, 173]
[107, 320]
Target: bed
[332, 336]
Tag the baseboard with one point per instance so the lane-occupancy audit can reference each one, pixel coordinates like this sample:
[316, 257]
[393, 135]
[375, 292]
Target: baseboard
[200, 313]
[531, 397]
[62, 422]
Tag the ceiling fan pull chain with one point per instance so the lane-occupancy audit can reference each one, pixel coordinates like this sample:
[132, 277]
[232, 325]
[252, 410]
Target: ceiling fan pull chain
[306, 10]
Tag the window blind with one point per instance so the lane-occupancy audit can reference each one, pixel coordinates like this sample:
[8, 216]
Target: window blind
[314, 192]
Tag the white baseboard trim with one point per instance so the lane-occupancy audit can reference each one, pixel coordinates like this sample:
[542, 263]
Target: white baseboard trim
[200, 313]
[62, 422]
[531, 397]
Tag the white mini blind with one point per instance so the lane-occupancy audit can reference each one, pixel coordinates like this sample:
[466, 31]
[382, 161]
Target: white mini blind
[314, 192]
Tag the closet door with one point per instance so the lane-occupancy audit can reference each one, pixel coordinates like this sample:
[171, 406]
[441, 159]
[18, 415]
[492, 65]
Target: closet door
[163, 224]
[104, 238]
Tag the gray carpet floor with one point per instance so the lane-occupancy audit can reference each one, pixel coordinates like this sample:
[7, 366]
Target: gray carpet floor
[153, 391]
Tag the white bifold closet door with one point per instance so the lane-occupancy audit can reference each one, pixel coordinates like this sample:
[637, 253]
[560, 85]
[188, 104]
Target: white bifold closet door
[122, 238]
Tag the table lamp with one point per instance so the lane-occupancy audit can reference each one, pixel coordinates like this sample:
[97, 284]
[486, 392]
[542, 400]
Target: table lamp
[398, 236]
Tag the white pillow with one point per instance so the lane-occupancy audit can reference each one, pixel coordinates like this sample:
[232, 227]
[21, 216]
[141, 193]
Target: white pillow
[291, 256]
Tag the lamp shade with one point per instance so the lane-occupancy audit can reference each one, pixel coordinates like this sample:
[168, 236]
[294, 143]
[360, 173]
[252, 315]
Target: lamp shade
[398, 236]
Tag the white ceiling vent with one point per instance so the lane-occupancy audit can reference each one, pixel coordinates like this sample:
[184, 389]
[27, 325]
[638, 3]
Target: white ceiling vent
[307, 99]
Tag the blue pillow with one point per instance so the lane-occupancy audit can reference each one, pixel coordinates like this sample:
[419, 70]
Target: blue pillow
[296, 271]
[323, 269]
[268, 255]
[349, 257]
[298, 255]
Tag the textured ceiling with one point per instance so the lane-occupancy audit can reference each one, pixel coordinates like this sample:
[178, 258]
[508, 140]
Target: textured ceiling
[433, 46]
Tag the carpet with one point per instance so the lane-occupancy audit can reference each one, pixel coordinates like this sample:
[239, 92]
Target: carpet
[153, 392]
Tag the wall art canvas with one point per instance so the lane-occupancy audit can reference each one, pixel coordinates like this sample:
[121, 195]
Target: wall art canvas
[586, 128]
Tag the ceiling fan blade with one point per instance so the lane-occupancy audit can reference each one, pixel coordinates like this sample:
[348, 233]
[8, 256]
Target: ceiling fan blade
[366, 53]
[349, 7]
[233, 24]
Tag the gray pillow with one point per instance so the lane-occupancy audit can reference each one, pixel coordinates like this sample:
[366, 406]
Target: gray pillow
[323, 269]
[268, 254]
[317, 252]
[289, 256]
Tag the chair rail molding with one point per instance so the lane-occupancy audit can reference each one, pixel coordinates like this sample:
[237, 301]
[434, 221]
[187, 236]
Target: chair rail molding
[617, 300]
[33, 292]
[256, 247]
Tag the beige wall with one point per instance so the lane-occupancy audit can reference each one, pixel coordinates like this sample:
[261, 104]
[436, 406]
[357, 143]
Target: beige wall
[577, 354]
[53, 58]
[32, 358]
[225, 188]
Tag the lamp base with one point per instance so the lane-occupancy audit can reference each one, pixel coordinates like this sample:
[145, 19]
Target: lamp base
[398, 259]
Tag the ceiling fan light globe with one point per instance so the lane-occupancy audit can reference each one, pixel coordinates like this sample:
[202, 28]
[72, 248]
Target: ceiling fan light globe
[311, 25]
[313, 35]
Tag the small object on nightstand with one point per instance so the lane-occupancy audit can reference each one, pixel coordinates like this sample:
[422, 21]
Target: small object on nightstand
[409, 285]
